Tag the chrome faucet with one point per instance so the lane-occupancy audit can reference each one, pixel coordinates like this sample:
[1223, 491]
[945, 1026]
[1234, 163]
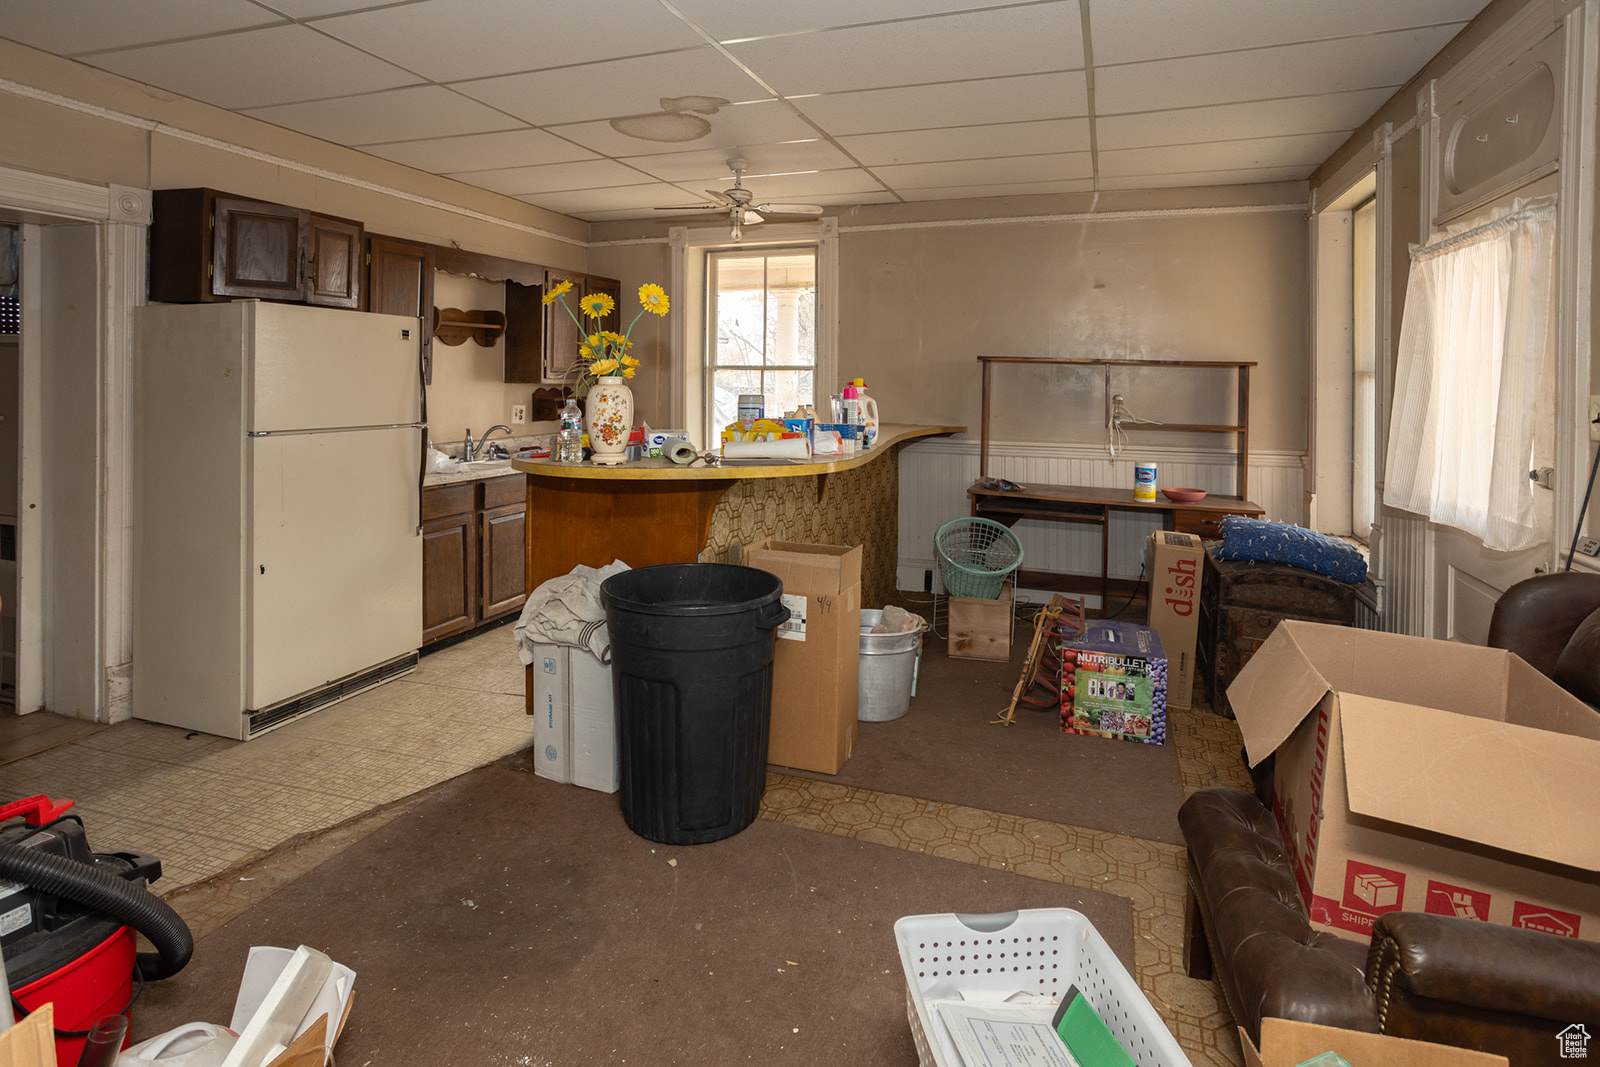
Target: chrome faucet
[471, 450]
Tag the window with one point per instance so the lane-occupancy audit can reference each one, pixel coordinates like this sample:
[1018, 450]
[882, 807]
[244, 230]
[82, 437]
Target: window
[761, 311]
[1364, 368]
[749, 365]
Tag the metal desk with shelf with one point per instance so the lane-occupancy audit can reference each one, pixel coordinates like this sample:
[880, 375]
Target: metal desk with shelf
[1094, 504]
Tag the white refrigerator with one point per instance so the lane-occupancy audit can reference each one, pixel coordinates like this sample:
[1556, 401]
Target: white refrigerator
[277, 543]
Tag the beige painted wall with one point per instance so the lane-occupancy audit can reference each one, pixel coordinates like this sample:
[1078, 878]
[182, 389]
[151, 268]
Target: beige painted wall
[95, 127]
[919, 303]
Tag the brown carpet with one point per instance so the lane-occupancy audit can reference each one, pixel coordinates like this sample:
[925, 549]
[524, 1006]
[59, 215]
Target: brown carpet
[947, 749]
[509, 920]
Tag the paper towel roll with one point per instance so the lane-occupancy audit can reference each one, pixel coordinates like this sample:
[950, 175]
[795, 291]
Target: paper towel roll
[679, 450]
[793, 448]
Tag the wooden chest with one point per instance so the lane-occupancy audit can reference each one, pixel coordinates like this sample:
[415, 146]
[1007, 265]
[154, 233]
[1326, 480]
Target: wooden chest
[1241, 603]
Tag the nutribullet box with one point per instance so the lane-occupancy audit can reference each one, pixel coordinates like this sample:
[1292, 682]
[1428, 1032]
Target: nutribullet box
[1114, 682]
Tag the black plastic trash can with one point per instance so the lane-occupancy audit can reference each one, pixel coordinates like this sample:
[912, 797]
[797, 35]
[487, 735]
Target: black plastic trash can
[691, 663]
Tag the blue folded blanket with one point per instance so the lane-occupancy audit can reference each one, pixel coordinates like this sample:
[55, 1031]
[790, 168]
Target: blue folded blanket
[1279, 542]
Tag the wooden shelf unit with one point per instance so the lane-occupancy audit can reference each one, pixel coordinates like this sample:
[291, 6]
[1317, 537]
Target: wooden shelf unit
[1241, 430]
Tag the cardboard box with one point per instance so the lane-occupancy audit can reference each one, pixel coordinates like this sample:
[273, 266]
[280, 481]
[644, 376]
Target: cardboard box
[1429, 776]
[1176, 562]
[981, 629]
[1114, 682]
[1288, 1044]
[817, 663]
[575, 724]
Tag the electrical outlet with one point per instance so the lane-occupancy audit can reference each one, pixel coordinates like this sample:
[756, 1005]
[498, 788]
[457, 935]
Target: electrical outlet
[519, 414]
[1589, 546]
[1594, 418]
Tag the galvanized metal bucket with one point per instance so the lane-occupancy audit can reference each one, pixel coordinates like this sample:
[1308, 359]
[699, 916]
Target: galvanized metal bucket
[888, 670]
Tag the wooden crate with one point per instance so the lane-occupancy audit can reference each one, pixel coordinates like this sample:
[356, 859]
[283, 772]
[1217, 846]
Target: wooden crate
[981, 629]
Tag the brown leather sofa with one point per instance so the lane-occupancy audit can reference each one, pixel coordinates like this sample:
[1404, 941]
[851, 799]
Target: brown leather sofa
[1435, 978]
[1553, 622]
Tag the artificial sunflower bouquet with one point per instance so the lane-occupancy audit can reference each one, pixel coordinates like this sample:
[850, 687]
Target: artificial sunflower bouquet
[605, 352]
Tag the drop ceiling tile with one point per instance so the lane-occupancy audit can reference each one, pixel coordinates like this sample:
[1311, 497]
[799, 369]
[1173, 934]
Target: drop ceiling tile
[1057, 167]
[228, 72]
[552, 178]
[482, 151]
[1131, 30]
[640, 199]
[711, 165]
[1018, 40]
[766, 122]
[971, 192]
[1198, 178]
[969, 142]
[421, 111]
[1020, 99]
[1267, 73]
[1223, 122]
[310, 9]
[758, 18]
[809, 188]
[72, 27]
[615, 87]
[1255, 154]
[447, 40]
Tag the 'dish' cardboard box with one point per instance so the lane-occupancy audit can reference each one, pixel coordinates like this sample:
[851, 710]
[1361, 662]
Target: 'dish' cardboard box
[575, 718]
[1285, 1043]
[816, 665]
[1176, 561]
[1422, 775]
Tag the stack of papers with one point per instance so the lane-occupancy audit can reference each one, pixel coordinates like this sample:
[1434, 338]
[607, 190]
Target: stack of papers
[1029, 1030]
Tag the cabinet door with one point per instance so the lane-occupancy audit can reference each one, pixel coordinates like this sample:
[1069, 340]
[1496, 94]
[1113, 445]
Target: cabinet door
[561, 334]
[258, 249]
[449, 576]
[501, 532]
[333, 262]
[400, 282]
[612, 288]
[523, 341]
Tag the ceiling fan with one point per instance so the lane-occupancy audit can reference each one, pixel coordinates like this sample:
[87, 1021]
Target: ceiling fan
[737, 202]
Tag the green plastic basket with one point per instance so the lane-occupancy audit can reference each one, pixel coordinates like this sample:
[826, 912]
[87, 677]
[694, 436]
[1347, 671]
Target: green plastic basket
[976, 556]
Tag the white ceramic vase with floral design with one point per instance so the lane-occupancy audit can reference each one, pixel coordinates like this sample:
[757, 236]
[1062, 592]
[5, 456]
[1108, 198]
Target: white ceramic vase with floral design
[609, 417]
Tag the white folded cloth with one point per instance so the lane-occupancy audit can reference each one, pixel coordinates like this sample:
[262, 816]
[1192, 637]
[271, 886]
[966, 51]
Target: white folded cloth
[567, 611]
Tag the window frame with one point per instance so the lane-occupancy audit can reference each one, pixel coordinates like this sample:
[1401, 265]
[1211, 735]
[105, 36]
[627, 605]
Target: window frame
[686, 402]
[712, 345]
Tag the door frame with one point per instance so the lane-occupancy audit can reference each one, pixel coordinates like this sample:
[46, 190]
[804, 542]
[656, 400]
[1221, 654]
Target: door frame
[57, 669]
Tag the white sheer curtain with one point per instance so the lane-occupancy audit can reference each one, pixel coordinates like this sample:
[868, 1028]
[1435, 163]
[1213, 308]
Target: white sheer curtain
[1475, 371]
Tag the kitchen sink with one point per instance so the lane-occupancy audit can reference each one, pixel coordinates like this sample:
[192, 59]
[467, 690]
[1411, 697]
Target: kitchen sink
[486, 464]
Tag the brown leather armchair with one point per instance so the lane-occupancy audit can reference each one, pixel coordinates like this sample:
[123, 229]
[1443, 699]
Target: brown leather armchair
[1553, 622]
[1434, 978]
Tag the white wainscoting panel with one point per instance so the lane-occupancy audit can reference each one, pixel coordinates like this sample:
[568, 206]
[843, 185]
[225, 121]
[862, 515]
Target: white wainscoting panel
[935, 474]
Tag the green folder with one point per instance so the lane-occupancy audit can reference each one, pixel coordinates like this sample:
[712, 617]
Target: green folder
[1086, 1035]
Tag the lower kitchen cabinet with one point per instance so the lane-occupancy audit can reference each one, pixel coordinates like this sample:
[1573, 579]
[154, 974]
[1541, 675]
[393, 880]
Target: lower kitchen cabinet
[472, 554]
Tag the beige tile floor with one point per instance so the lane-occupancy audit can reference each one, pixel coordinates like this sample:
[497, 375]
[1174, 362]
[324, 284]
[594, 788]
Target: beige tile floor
[204, 805]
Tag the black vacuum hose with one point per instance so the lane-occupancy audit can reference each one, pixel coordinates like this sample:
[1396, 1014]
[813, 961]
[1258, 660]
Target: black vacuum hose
[128, 902]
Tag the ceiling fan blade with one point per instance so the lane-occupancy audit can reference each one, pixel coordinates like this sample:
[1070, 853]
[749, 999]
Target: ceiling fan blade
[751, 218]
[727, 201]
[792, 209]
[694, 207]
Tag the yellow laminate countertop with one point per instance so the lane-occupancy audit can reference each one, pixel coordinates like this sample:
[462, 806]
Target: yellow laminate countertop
[664, 470]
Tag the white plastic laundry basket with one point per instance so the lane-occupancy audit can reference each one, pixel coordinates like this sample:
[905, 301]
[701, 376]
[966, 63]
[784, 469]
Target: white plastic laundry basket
[1044, 950]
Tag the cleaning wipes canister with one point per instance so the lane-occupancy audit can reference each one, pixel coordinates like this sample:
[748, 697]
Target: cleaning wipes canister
[1144, 481]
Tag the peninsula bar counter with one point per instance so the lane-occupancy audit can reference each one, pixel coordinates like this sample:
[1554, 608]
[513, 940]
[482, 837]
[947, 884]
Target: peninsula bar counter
[654, 511]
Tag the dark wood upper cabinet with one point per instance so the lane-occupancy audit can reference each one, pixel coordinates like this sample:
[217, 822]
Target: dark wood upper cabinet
[541, 342]
[400, 282]
[206, 245]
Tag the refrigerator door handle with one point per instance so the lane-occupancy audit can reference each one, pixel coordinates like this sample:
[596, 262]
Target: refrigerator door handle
[337, 429]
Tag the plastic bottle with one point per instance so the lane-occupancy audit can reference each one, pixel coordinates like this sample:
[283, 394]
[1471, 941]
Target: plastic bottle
[869, 413]
[569, 439]
[852, 417]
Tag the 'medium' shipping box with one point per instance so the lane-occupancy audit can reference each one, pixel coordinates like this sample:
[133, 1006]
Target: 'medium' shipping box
[1285, 1043]
[1175, 565]
[575, 718]
[817, 663]
[1430, 776]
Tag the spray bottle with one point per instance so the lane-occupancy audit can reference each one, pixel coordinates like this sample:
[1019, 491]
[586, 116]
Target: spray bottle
[852, 417]
[869, 413]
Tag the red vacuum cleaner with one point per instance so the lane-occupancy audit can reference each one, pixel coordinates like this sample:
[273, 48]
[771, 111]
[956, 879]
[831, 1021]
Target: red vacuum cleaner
[68, 919]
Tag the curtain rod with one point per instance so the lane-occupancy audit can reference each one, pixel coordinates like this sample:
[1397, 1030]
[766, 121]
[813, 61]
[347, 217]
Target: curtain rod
[1503, 222]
